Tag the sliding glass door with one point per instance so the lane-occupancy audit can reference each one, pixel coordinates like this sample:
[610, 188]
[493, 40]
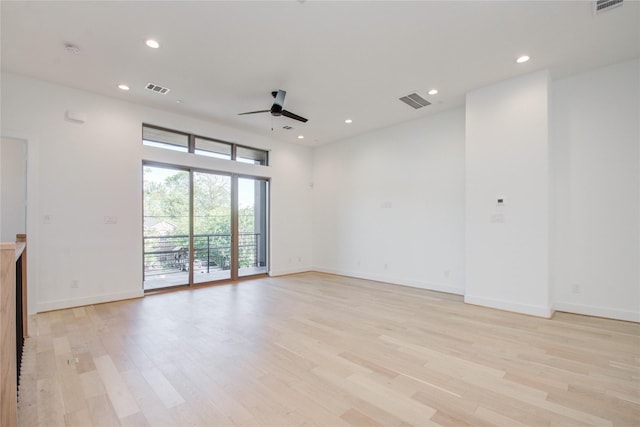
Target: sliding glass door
[166, 227]
[252, 226]
[202, 226]
[211, 227]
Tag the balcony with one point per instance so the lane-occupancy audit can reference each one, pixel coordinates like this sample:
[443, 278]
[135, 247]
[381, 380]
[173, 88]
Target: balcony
[166, 258]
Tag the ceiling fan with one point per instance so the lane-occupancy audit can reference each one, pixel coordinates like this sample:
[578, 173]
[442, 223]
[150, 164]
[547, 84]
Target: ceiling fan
[276, 109]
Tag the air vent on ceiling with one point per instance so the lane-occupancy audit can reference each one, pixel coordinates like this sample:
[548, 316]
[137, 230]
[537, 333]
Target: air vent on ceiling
[287, 127]
[600, 6]
[157, 88]
[414, 100]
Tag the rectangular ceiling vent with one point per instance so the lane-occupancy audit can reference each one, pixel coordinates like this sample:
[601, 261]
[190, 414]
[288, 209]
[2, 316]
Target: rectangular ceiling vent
[157, 88]
[414, 100]
[600, 6]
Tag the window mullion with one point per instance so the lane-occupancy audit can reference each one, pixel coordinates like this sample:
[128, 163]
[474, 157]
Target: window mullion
[191, 227]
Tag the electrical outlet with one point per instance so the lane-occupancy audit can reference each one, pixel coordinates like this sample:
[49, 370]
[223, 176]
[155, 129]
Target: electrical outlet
[575, 288]
[75, 284]
[110, 219]
[46, 219]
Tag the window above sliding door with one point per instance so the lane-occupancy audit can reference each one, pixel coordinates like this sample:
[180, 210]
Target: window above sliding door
[159, 137]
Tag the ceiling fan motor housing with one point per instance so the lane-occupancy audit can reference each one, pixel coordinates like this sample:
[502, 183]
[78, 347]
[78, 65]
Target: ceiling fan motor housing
[278, 102]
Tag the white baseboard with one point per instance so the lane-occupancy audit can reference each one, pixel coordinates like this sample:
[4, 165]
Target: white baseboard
[95, 299]
[610, 313]
[286, 271]
[431, 286]
[540, 311]
[532, 310]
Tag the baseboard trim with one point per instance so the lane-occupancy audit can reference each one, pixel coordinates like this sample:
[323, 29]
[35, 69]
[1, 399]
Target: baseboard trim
[430, 286]
[532, 310]
[287, 271]
[589, 310]
[539, 311]
[95, 299]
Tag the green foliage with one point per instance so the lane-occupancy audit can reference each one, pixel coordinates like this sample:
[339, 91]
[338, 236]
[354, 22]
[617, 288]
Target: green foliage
[166, 213]
[169, 201]
[212, 204]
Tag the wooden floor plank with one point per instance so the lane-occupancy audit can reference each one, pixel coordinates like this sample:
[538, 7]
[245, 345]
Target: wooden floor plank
[121, 398]
[162, 388]
[315, 349]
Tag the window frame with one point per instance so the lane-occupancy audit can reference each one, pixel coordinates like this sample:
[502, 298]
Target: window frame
[191, 146]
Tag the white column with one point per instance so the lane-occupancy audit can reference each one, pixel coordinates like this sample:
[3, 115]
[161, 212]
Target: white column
[506, 150]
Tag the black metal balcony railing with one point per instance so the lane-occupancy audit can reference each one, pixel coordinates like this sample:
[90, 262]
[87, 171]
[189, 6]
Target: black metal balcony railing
[211, 252]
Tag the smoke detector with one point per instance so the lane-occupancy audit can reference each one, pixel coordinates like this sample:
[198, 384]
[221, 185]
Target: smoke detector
[72, 48]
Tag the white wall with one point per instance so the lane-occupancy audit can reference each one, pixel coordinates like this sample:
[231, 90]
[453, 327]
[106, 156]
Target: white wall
[13, 188]
[389, 205]
[393, 197]
[506, 155]
[564, 156]
[596, 137]
[80, 173]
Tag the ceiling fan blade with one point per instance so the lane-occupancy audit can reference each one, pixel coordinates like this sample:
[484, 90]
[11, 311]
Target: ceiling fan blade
[254, 112]
[294, 116]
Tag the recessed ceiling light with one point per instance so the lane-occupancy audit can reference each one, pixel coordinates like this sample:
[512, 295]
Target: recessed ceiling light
[522, 59]
[348, 121]
[123, 87]
[152, 44]
[178, 101]
[300, 136]
[433, 92]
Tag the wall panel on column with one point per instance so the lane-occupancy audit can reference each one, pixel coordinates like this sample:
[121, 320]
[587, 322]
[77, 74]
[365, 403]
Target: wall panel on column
[506, 157]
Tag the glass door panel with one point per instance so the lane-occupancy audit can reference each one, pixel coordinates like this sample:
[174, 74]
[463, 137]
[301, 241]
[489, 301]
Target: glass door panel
[211, 227]
[252, 226]
[201, 227]
[166, 227]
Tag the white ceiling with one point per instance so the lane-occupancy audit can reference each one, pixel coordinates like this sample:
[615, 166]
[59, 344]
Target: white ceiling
[336, 60]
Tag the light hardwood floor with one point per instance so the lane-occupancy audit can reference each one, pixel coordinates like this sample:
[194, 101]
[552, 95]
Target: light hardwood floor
[320, 350]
